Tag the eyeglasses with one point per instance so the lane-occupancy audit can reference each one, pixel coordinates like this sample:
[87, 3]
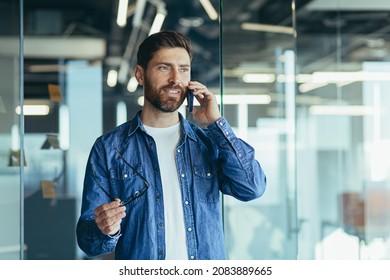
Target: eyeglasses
[135, 194]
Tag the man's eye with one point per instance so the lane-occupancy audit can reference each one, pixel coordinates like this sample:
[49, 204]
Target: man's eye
[184, 70]
[163, 68]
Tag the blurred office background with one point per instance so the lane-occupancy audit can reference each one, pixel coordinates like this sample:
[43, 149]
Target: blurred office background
[305, 82]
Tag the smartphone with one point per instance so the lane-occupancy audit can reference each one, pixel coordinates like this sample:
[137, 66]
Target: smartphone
[190, 99]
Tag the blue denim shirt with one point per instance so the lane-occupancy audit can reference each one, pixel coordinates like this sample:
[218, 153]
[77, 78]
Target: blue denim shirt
[208, 161]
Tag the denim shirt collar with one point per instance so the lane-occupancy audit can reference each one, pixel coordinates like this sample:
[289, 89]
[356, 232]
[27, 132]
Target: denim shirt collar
[185, 127]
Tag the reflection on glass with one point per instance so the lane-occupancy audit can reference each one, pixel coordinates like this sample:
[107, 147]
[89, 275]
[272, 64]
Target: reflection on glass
[259, 101]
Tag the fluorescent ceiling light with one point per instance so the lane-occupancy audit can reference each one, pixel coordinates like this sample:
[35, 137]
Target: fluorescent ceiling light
[303, 78]
[335, 77]
[348, 5]
[121, 113]
[267, 28]
[140, 101]
[15, 139]
[112, 78]
[352, 110]
[258, 78]
[211, 12]
[121, 19]
[64, 127]
[33, 110]
[245, 99]
[158, 21]
[132, 85]
[310, 86]
[321, 79]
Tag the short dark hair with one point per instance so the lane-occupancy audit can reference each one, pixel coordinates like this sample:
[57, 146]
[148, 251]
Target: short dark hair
[160, 40]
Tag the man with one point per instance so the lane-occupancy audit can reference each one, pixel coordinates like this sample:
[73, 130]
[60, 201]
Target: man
[152, 186]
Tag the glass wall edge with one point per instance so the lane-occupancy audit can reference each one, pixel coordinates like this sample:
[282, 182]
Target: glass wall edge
[21, 121]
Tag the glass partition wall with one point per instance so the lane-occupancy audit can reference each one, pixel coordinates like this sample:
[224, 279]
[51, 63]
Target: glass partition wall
[322, 137]
[11, 134]
[343, 143]
[258, 69]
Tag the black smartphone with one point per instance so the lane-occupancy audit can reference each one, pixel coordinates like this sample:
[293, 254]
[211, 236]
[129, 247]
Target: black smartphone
[190, 99]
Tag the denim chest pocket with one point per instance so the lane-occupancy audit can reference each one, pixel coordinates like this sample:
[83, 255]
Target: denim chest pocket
[127, 183]
[206, 184]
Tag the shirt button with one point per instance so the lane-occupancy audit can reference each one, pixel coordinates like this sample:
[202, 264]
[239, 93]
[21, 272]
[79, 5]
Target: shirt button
[186, 202]
[125, 176]
[178, 150]
[221, 123]
[182, 175]
[161, 252]
[158, 197]
[192, 257]
[227, 132]
[208, 174]
[189, 229]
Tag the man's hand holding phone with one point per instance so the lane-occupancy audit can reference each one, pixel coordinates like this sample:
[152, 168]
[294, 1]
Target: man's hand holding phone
[208, 111]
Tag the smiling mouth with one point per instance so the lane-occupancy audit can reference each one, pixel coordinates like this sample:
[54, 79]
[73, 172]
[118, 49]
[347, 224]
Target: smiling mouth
[172, 91]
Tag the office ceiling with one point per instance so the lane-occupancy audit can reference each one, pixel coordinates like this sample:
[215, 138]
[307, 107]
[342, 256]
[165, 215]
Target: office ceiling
[365, 32]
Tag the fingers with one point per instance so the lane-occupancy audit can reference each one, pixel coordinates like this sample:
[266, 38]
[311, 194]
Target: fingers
[105, 207]
[108, 217]
[208, 112]
[200, 91]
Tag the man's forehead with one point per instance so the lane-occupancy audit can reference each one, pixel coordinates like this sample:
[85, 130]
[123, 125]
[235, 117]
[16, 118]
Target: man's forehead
[174, 55]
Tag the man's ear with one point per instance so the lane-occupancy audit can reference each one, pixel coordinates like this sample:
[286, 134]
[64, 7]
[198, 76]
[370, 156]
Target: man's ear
[139, 74]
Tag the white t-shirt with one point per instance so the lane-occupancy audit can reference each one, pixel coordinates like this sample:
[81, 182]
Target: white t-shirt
[175, 236]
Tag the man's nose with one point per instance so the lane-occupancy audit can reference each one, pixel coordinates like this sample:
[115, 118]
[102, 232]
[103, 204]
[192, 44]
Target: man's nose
[174, 78]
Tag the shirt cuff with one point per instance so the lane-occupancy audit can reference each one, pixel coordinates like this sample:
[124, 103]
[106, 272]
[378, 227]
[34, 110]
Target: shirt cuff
[221, 130]
[116, 235]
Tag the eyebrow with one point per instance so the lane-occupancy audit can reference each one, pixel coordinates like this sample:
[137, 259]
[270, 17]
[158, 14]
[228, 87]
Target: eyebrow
[172, 64]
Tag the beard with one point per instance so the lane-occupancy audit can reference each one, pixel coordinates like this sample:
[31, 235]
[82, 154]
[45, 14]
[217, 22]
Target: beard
[161, 101]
